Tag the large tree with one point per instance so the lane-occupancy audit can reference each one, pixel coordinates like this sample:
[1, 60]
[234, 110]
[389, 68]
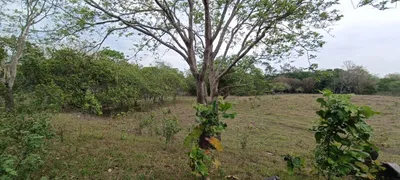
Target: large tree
[18, 19]
[201, 31]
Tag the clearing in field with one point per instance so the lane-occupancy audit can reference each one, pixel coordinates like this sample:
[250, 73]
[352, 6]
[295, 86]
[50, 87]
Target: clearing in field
[265, 129]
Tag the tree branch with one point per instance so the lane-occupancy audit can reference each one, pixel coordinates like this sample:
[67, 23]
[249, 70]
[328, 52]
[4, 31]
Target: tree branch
[139, 28]
[243, 52]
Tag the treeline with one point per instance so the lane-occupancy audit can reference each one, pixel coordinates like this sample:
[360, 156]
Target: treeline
[105, 82]
[351, 79]
[96, 83]
[247, 79]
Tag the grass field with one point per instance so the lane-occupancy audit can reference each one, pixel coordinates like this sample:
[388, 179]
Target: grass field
[89, 147]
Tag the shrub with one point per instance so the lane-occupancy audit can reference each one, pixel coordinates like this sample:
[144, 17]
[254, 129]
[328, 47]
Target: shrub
[281, 87]
[293, 162]
[343, 138]
[147, 122]
[170, 126]
[203, 137]
[21, 146]
[23, 132]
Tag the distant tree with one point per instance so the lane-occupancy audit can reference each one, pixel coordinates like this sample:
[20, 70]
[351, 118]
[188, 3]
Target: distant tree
[394, 76]
[355, 79]
[113, 55]
[308, 84]
[390, 84]
[244, 79]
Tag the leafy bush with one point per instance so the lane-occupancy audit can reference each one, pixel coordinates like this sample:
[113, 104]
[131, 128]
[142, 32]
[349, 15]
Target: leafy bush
[147, 122]
[293, 162]
[280, 87]
[21, 146]
[170, 126]
[203, 137]
[343, 138]
[24, 131]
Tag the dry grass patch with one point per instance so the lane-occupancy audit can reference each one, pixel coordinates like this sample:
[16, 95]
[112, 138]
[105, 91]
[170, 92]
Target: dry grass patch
[89, 147]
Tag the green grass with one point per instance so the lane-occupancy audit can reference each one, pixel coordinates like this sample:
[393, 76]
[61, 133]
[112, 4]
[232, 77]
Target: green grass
[90, 147]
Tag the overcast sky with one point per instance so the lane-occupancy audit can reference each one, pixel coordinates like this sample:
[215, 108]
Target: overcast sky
[366, 36]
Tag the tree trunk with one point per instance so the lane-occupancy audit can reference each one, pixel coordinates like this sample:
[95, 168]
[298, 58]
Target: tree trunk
[214, 90]
[201, 92]
[9, 99]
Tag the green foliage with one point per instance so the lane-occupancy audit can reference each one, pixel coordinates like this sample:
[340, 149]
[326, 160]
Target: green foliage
[147, 122]
[208, 117]
[100, 83]
[51, 96]
[91, 104]
[352, 79]
[343, 138]
[199, 161]
[390, 84]
[245, 79]
[293, 162]
[203, 137]
[23, 135]
[280, 87]
[170, 126]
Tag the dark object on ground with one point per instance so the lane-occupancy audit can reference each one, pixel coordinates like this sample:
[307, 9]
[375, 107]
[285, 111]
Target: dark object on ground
[392, 172]
[272, 178]
[374, 154]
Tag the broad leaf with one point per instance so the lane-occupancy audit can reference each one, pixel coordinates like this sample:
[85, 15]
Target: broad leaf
[216, 143]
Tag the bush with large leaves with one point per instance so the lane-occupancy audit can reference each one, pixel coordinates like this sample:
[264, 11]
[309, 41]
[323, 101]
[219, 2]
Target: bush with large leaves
[343, 138]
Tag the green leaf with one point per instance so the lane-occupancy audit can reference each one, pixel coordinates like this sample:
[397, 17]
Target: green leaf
[230, 116]
[367, 111]
[225, 106]
[321, 101]
[193, 136]
[11, 171]
[341, 140]
[318, 136]
[362, 166]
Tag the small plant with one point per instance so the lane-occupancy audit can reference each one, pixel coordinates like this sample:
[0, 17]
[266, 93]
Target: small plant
[343, 139]
[293, 162]
[119, 115]
[147, 122]
[203, 138]
[170, 126]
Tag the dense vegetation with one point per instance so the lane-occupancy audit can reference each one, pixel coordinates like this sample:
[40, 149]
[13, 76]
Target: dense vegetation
[95, 83]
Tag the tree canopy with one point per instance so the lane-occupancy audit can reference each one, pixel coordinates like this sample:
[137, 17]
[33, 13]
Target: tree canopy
[201, 31]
